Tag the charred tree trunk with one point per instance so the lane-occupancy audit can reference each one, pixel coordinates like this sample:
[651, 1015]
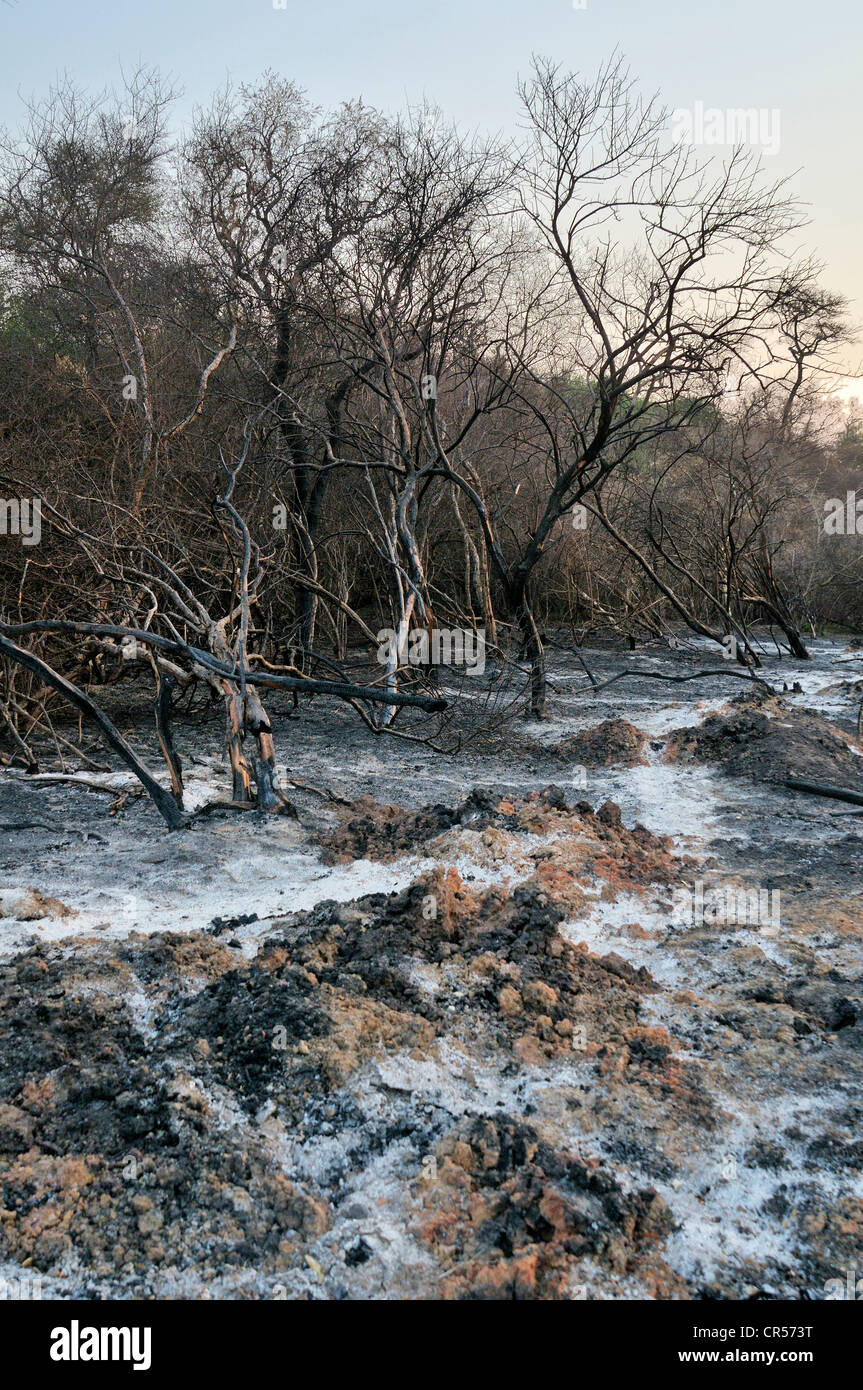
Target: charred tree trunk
[165, 685]
[268, 795]
[532, 649]
[241, 789]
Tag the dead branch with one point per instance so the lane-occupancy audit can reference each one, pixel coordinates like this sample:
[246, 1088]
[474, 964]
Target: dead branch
[164, 802]
[799, 784]
[678, 680]
[323, 792]
[341, 689]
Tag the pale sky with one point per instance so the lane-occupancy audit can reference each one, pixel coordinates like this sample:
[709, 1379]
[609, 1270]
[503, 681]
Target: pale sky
[802, 59]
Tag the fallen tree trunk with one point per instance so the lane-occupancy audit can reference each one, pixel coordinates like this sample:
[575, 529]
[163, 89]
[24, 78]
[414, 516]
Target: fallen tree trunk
[343, 690]
[679, 680]
[798, 784]
[164, 802]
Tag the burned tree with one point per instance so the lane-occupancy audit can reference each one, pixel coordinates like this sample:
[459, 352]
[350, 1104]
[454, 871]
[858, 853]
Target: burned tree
[650, 315]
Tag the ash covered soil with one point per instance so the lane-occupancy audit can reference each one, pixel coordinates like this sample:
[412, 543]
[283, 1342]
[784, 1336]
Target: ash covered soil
[446, 1036]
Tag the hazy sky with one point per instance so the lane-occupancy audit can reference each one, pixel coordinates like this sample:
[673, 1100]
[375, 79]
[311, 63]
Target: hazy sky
[802, 59]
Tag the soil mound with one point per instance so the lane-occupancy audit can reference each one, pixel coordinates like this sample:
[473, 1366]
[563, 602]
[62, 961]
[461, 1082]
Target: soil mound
[764, 737]
[510, 1212]
[614, 742]
[593, 841]
[147, 1093]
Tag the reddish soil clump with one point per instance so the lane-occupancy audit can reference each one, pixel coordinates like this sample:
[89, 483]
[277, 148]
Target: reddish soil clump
[510, 1214]
[614, 742]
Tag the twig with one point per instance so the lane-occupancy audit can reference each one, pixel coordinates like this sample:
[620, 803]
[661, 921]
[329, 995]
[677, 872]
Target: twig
[318, 791]
[76, 781]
